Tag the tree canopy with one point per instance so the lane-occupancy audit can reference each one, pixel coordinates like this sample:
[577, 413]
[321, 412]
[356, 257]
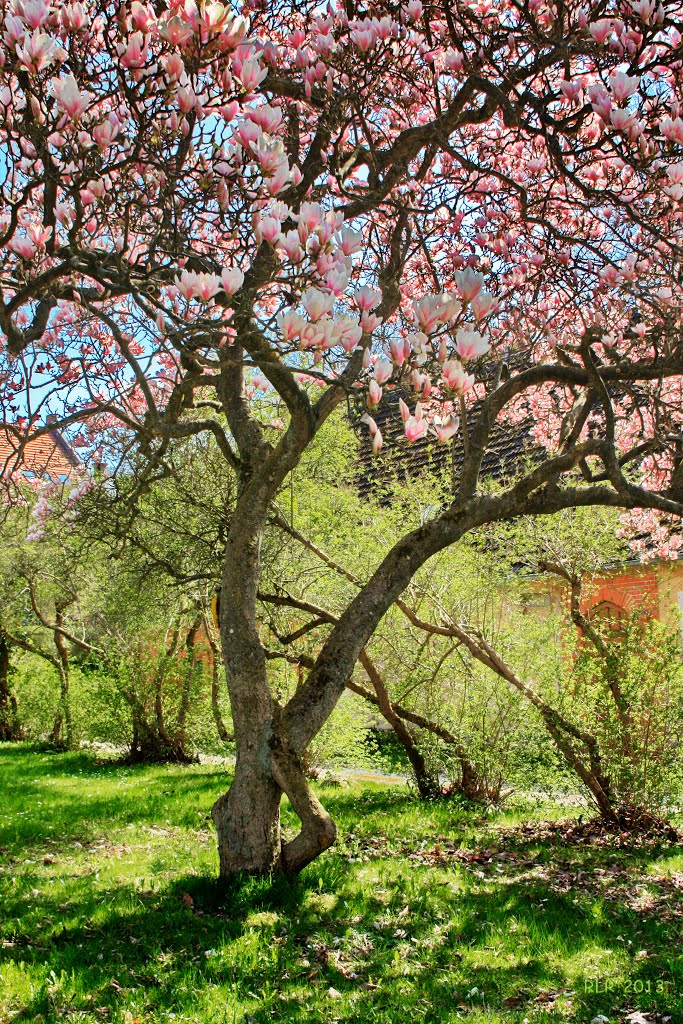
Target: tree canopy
[236, 220]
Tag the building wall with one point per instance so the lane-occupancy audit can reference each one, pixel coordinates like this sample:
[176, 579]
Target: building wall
[633, 589]
[654, 590]
[670, 584]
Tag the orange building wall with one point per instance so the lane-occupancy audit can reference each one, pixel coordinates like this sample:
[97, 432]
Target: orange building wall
[633, 589]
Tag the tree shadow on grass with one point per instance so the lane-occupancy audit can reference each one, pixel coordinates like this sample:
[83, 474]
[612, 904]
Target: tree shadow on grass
[274, 948]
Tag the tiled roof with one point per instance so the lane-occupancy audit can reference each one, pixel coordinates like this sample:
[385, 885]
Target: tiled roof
[508, 447]
[46, 455]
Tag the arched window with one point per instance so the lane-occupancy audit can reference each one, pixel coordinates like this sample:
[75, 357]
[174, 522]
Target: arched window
[608, 615]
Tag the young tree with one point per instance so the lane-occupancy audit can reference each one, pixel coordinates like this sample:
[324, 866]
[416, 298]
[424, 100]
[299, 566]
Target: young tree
[198, 205]
[10, 725]
[45, 588]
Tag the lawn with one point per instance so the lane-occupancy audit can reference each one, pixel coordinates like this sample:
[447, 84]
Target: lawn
[109, 911]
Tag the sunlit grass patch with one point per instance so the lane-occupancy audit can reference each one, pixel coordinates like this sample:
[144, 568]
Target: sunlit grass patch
[111, 911]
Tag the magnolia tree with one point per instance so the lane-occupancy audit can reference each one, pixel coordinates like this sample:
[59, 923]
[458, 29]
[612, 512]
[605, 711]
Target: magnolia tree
[235, 221]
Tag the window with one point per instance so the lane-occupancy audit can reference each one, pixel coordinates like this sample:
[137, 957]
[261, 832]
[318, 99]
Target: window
[608, 615]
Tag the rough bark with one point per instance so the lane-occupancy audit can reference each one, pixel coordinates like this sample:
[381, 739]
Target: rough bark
[247, 820]
[247, 817]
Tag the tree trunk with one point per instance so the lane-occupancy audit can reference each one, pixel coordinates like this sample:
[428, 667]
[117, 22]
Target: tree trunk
[223, 733]
[214, 644]
[10, 728]
[247, 820]
[180, 737]
[247, 817]
[428, 786]
[62, 731]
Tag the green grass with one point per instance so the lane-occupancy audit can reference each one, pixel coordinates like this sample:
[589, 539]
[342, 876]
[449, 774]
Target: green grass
[109, 911]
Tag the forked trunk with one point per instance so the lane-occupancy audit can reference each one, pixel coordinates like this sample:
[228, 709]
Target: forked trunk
[247, 820]
[247, 817]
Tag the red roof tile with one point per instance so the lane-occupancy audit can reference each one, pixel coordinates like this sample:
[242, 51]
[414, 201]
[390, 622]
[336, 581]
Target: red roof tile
[46, 455]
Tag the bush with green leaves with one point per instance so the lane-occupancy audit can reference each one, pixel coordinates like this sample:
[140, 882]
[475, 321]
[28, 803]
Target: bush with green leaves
[628, 694]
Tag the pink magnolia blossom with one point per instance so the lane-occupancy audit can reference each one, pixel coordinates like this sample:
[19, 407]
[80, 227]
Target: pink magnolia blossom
[370, 422]
[216, 16]
[133, 54]
[622, 86]
[348, 332]
[291, 324]
[289, 243]
[105, 133]
[374, 393]
[601, 30]
[672, 129]
[383, 370]
[621, 119]
[23, 247]
[432, 310]
[364, 37]
[310, 217]
[571, 90]
[232, 279]
[317, 303]
[482, 304]
[251, 74]
[446, 428]
[350, 241]
[375, 432]
[69, 97]
[469, 283]
[453, 60]
[470, 344]
[456, 378]
[400, 350]
[645, 9]
[74, 17]
[173, 65]
[370, 322]
[38, 51]
[266, 117]
[39, 234]
[34, 12]
[235, 31]
[268, 230]
[175, 31]
[202, 285]
[337, 281]
[367, 298]
[415, 428]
